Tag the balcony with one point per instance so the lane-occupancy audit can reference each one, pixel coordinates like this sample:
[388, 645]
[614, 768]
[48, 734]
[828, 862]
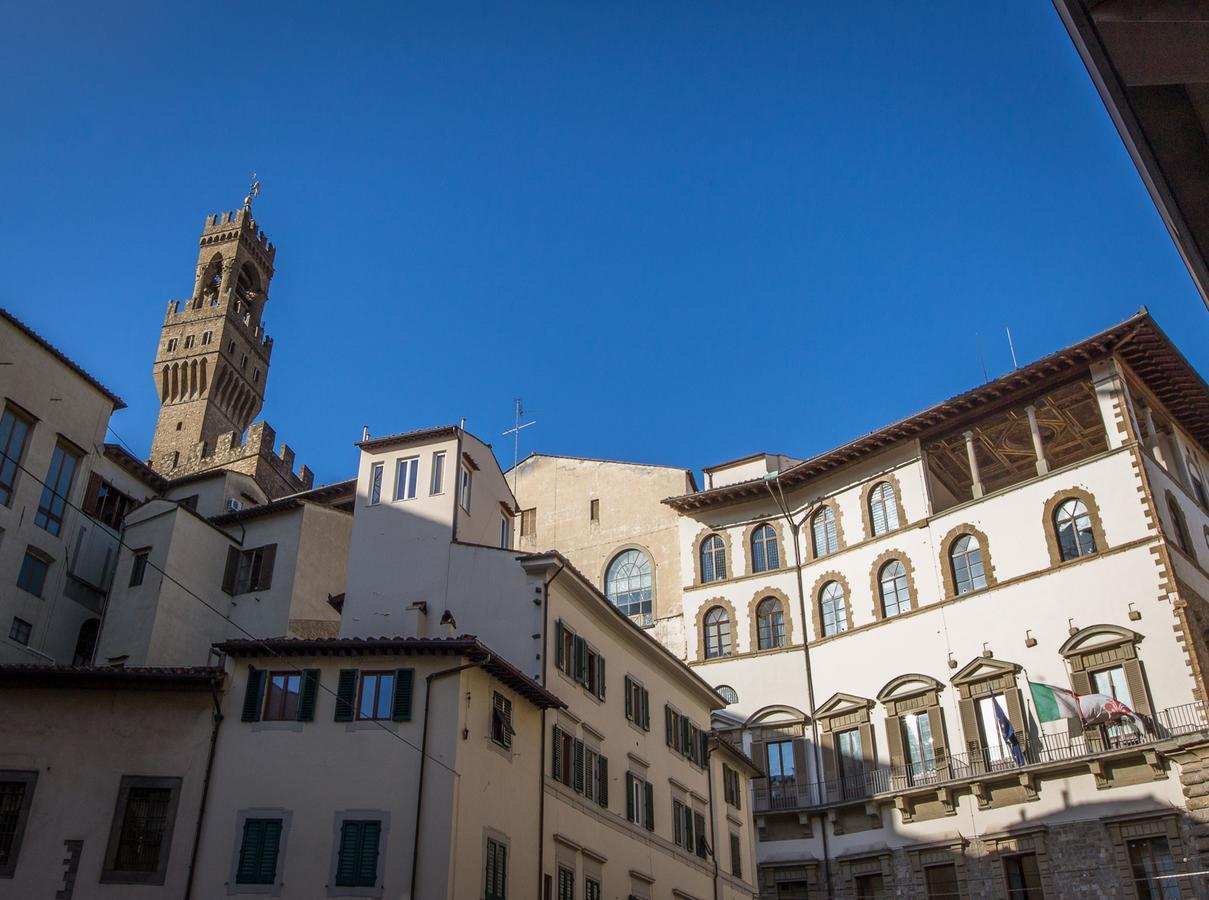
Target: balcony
[883, 783]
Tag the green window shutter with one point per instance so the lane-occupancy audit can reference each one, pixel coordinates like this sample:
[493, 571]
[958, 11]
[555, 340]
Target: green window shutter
[667, 722]
[581, 659]
[367, 869]
[578, 779]
[629, 796]
[346, 695]
[646, 709]
[404, 681]
[269, 849]
[489, 871]
[736, 856]
[699, 830]
[253, 695]
[629, 701]
[600, 677]
[306, 699]
[264, 578]
[649, 796]
[350, 845]
[602, 796]
[229, 573]
[559, 662]
[251, 853]
[556, 760]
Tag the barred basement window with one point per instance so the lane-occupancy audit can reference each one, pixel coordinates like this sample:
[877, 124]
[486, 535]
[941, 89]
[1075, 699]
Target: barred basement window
[142, 834]
[16, 794]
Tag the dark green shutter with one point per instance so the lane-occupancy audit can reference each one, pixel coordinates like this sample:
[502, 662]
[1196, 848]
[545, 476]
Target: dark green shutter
[699, 829]
[559, 662]
[269, 849]
[667, 722]
[556, 760]
[629, 796]
[306, 700]
[649, 792]
[346, 863]
[577, 780]
[600, 677]
[367, 870]
[346, 695]
[258, 852]
[404, 681]
[629, 701]
[581, 659]
[253, 695]
[602, 796]
[229, 573]
[264, 578]
[646, 708]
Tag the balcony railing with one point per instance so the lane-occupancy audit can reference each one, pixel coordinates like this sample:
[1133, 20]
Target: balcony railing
[978, 762]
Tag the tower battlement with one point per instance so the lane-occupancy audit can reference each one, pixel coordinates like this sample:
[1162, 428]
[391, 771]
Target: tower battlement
[230, 226]
[251, 453]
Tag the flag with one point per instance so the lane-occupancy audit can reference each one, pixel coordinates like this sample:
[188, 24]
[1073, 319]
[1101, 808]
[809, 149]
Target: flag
[1008, 733]
[1055, 703]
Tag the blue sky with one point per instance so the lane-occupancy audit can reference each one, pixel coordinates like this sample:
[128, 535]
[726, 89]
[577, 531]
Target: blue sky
[682, 232]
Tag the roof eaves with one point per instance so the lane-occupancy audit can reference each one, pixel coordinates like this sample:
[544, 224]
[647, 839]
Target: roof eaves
[118, 402]
[49, 676]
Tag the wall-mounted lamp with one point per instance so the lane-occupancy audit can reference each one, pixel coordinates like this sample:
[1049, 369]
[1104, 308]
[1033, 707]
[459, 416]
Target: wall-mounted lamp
[1134, 614]
[1029, 640]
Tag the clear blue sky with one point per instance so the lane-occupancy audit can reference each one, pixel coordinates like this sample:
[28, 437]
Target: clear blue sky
[681, 232]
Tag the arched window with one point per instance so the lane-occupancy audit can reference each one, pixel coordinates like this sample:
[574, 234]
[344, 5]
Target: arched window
[717, 633]
[727, 693]
[713, 559]
[896, 593]
[969, 574]
[764, 553]
[247, 284]
[211, 282]
[883, 508]
[833, 609]
[86, 642]
[1179, 527]
[770, 624]
[1198, 483]
[628, 584]
[826, 537]
[1073, 525]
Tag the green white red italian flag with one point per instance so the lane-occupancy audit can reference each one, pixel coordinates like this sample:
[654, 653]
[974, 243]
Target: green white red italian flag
[1054, 703]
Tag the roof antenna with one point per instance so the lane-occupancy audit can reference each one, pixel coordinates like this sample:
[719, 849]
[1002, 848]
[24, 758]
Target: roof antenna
[515, 431]
[982, 362]
[1012, 347]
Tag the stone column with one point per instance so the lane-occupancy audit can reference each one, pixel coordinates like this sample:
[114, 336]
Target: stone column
[1038, 448]
[974, 475]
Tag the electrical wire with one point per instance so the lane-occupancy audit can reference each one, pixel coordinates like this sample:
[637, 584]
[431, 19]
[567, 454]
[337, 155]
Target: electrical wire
[261, 641]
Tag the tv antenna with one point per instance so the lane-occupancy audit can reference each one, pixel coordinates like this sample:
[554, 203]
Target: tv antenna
[515, 431]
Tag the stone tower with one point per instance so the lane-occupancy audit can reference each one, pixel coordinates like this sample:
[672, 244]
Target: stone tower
[213, 363]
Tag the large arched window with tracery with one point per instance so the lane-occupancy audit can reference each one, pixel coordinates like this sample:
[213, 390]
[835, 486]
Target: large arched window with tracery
[883, 509]
[895, 590]
[717, 633]
[969, 572]
[1072, 523]
[765, 555]
[833, 611]
[825, 533]
[628, 584]
[770, 624]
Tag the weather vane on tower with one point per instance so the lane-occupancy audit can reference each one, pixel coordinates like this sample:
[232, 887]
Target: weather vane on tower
[253, 191]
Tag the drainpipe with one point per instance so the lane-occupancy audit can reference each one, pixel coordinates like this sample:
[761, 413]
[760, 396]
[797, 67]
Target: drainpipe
[428, 680]
[778, 497]
[541, 773]
[201, 810]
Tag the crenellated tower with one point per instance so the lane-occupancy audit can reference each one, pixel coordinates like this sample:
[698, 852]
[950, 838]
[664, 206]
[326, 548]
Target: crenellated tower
[213, 360]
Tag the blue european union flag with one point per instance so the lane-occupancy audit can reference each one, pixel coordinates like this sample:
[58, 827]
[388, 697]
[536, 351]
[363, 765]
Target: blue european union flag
[1008, 732]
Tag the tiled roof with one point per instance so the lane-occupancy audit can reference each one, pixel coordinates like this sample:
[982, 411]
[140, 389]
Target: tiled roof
[407, 437]
[175, 677]
[54, 351]
[1137, 340]
[466, 645]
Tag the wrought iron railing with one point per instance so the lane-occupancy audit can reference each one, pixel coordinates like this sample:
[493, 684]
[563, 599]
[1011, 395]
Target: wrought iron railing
[978, 761]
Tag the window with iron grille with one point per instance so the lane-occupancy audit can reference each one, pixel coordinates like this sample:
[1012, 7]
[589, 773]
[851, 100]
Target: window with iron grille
[142, 830]
[16, 794]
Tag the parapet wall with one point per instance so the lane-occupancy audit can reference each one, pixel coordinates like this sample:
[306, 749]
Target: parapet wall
[254, 456]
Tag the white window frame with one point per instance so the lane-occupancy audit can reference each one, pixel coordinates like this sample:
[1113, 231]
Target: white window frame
[407, 482]
[376, 473]
[465, 486]
[436, 482]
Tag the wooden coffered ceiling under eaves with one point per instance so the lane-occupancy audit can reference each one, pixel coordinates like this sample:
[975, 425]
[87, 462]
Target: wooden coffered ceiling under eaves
[1138, 342]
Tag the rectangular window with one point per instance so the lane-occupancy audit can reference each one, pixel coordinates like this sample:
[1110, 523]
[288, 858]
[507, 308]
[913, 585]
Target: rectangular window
[258, 852]
[495, 876]
[505, 533]
[1023, 877]
[437, 485]
[850, 762]
[870, 887]
[637, 704]
[591, 889]
[207, 336]
[357, 859]
[917, 739]
[730, 787]
[594, 511]
[998, 753]
[464, 487]
[188, 341]
[171, 344]
[562, 759]
[142, 833]
[375, 483]
[566, 884]
[374, 700]
[782, 777]
[139, 569]
[1152, 866]
[564, 649]
[529, 522]
[407, 473]
[249, 570]
[736, 855]
[640, 801]
[682, 826]
[55, 489]
[282, 691]
[16, 793]
[105, 503]
[32, 577]
[14, 432]
[20, 631]
[1112, 683]
[942, 882]
[501, 720]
